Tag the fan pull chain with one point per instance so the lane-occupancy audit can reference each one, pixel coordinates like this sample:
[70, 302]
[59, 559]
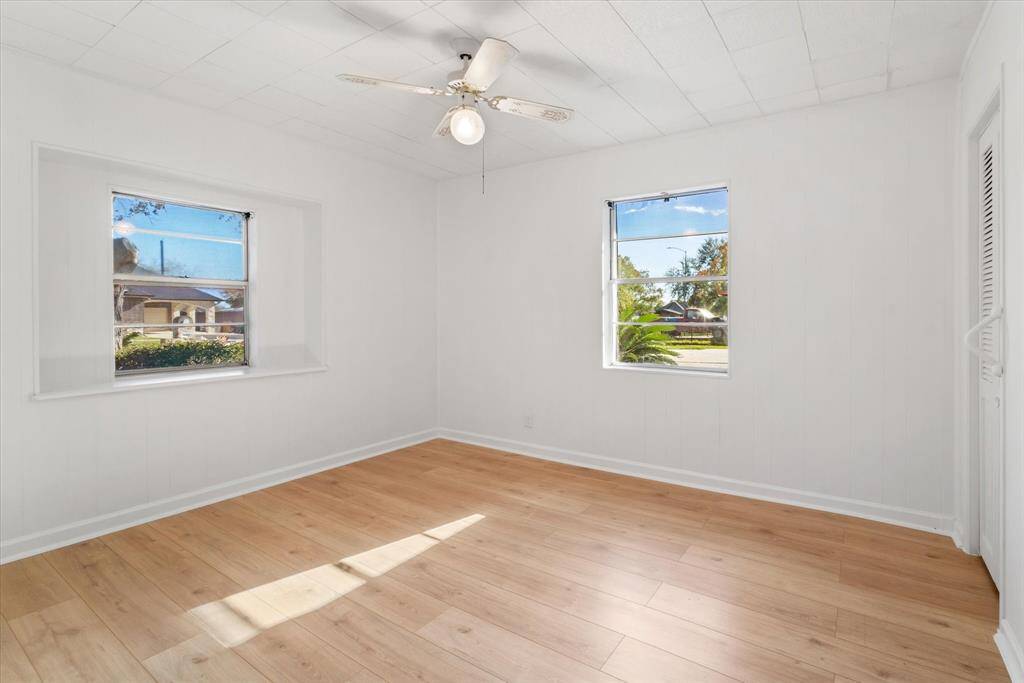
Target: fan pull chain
[483, 167]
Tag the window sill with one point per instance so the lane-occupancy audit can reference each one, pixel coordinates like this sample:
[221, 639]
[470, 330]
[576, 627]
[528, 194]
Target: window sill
[712, 374]
[156, 381]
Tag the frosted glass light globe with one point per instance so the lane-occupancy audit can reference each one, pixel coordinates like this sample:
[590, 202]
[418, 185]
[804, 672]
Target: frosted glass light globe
[467, 125]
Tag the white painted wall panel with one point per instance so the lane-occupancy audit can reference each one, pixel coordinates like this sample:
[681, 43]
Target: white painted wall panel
[67, 461]
[841, 242]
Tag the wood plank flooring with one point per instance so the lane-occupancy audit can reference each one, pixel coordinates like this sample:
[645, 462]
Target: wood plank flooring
[449, 562]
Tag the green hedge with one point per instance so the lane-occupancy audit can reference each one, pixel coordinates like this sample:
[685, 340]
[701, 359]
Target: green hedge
[179, 353]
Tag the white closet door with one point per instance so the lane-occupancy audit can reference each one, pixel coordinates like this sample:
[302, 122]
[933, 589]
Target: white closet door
[990, 375]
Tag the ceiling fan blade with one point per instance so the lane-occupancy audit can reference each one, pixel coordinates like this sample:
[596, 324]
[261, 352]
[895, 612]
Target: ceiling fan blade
[370, 80]
[531, 110]
[444, 128]
[488, 62]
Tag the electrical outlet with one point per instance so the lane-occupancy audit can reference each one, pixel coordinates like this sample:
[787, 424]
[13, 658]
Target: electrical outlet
[528, 421]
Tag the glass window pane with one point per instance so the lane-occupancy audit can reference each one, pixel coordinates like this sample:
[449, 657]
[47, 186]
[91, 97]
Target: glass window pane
[692, 214]
[146, 254]
[706, 302]
[138, 213]
[674, 257]
[657, 345]
[171, 326]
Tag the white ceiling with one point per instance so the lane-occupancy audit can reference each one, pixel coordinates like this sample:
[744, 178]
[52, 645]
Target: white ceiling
[632, 69]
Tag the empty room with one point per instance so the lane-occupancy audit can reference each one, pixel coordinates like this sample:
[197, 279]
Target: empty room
[512, 340]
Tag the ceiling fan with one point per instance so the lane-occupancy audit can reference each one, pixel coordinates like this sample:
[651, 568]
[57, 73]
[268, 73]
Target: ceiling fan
[482, 63]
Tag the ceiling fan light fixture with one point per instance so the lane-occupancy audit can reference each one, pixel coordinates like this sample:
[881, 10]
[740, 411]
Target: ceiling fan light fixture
[467, 125]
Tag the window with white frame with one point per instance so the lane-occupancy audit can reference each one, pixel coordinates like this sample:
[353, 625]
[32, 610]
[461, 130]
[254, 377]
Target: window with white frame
[180, 285]
[669, 285]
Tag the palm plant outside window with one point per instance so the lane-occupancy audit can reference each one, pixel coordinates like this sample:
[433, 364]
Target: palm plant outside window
[669, 285]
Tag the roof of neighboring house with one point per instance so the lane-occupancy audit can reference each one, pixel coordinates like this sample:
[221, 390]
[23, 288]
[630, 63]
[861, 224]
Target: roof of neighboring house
[171, 293]
[673, 307]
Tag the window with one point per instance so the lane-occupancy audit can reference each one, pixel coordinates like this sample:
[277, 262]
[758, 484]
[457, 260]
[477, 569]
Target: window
[180, 285]
[669, 286]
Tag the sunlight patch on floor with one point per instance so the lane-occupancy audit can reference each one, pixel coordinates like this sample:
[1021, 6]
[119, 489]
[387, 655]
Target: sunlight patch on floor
[237, 618]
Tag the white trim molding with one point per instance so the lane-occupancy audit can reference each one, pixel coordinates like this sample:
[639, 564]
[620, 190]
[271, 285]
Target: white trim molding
[1011, 650]
[914, 519]
[57, 537]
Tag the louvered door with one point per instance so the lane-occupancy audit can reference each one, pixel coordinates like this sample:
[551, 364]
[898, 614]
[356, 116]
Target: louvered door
[990, 389]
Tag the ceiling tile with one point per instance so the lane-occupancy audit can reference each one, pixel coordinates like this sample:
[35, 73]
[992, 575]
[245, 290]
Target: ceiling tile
[850, 67]
[283, 101]
[303, 129]
[782, 83]
[325, 90]
[253, 112]
[720, 97]
[653, 16]
[759, 23]
[705, 75]
[547, 62]
[798, 100]
[284, 44]
[776, 55]
[722, 6]
[184, 90]
[597, 35]
[583, 132]
[932, 14]
[731, 114]
[384, 57]
[942, 48]
[486, 18]
[674, 43]
[110, 11]
[390, 158]
[56, 19]
[609, 111]
[427, 34]
[263, 7]
[221, 17]
[659, 100]
[917, 73]
[121, 70]
[843, 91]
[250, 64]
[323, 22]
[225, 80]
[16, 34]
[837, 28]
[164, 28]
[381, 13]
[135, 48]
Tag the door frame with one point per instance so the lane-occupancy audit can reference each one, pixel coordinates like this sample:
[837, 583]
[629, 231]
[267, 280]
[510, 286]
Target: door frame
[970, 535]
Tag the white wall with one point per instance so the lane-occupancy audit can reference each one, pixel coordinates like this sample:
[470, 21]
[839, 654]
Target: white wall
[996, 65]
[74, 466]
[841, 331]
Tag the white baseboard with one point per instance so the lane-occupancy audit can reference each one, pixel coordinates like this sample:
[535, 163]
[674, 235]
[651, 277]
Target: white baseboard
[1011, 650]
[32, 544]
[914, 519]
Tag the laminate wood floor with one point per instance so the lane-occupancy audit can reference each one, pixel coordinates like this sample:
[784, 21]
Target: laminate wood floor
[449, 562]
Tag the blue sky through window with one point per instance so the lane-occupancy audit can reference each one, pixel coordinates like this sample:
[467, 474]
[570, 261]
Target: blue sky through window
[683, 221]
[219, 257]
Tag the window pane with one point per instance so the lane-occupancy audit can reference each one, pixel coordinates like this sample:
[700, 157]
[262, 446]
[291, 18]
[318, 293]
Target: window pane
[692, 214]
[168, 326]
[684, 325]
[658, 345]
[673, 302]
[139, 213]
[674, 257]
[145, 254]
